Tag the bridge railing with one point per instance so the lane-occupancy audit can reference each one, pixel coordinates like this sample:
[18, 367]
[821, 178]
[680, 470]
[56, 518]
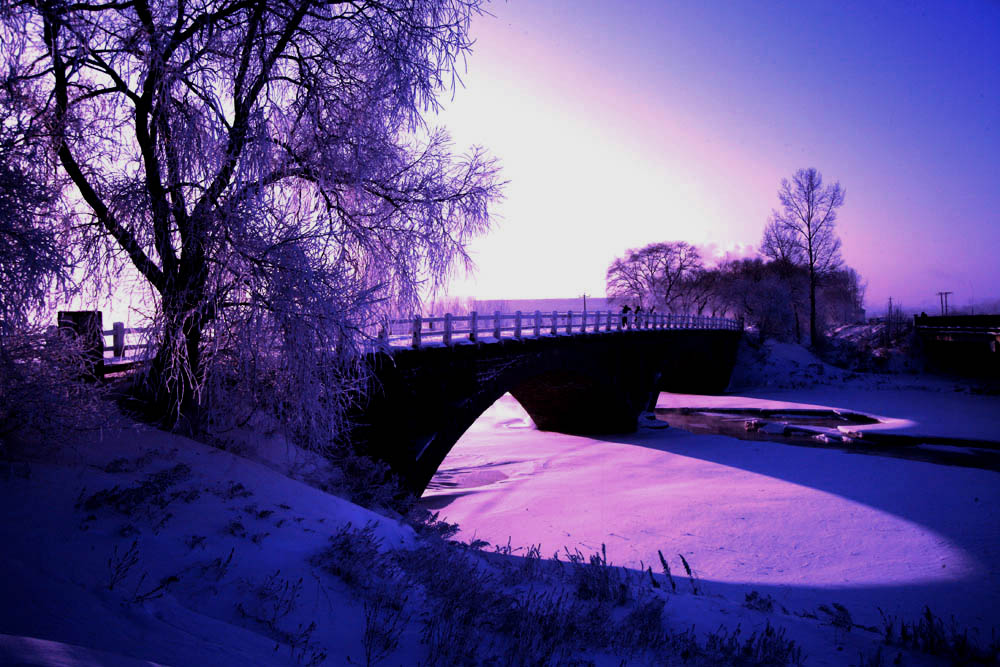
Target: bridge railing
[986, 324]
[450, 329]
[128, 346]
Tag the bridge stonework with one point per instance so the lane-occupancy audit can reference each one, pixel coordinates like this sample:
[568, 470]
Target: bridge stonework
[422, 400]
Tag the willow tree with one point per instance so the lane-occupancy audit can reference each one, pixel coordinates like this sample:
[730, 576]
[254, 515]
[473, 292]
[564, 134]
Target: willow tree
[264, 165]
[802, 232]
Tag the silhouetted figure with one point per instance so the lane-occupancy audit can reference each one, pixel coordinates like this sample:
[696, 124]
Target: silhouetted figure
[638, 316]
[625, 311]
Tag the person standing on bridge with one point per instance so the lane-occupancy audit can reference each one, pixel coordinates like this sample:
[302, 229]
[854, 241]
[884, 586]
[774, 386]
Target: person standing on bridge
[625, 311]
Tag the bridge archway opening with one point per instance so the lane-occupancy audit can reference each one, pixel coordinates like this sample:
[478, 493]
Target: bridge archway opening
[572, 402]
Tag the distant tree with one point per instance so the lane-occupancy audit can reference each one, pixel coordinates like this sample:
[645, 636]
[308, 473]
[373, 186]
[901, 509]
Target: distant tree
[806, 221]
[841, 297]
[264, 166]
[780, 245]
[630, 279]
[757, 291]
[654, 275]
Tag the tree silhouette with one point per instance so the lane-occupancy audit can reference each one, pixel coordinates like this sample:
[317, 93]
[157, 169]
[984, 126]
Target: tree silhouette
[263, 164]
[803, 230]
[656, 274]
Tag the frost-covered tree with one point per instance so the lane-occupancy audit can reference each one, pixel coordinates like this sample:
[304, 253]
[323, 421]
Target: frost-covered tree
[33, 257]
[804, 228]
[656, 274]
[265, 166]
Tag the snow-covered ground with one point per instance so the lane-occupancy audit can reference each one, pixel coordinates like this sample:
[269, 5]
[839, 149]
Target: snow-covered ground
[236, 535]
[143, 547]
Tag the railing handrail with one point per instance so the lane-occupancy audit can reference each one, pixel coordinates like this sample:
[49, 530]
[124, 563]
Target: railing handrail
[437, 330]
[420, 331]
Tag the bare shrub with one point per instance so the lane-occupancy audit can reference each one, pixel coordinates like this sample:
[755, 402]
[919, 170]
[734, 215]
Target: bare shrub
[757, 602]
[120, 564]
[270, 601]
[692, 577]
[46, 390]
[355, 555]
[666, 571]
[929, 634]
[597, 579]
[766, 647]
[146, 499]
[385, 621]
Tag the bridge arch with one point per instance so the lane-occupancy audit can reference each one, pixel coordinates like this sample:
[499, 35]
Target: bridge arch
[423, 400]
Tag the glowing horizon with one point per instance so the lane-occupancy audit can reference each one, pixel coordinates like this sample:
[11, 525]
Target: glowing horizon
[621, 127]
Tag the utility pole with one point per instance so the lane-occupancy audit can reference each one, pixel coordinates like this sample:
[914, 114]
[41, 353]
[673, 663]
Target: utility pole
[584, 295]
[943, 296]
[888, 321]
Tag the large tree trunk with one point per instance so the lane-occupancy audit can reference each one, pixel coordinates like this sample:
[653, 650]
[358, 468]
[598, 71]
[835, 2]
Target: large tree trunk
[176, 374]
[813, 334]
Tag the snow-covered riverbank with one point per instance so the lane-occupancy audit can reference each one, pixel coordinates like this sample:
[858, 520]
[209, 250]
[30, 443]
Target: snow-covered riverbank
[137, 546]
[807, 526]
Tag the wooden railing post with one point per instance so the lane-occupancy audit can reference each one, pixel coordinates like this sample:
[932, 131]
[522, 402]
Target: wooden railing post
[583, 323]
[85, 326]
[473, 326]
[538, 323]
[555, 322]
[496, 324]
[446, 336]
[417, 325]
[118, 339]
[517, 324]
[569, 321]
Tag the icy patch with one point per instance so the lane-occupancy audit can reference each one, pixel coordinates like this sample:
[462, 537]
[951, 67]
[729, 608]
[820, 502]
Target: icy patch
[810, 525]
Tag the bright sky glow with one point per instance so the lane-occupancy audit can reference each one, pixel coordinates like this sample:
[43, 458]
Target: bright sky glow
[620, 125]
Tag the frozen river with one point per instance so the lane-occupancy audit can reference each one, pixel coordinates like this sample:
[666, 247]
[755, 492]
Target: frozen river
[808, 526]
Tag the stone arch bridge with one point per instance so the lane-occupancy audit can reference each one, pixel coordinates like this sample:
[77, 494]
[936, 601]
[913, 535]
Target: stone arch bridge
[569, 379]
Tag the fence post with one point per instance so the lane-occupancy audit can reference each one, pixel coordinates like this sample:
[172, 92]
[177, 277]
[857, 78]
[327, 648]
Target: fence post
[446, 336]
[118, 339]
[517, 324]
[417, 324]
[555, 322]
[85, 325]
[569, 321]
[538, 323]
[583, 324]
[496, 324]
[473, 326]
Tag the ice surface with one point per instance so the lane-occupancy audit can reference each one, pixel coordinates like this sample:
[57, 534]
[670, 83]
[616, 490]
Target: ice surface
[808, 526]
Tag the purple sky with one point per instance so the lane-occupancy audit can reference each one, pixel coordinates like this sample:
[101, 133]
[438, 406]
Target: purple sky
[620, 124]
